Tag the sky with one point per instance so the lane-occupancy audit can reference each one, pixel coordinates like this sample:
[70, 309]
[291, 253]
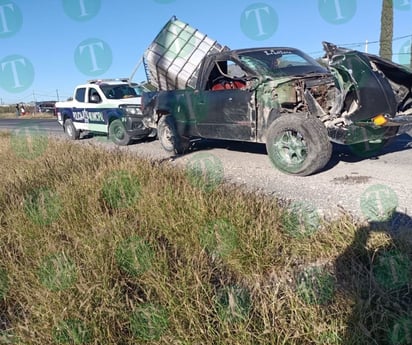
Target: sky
[48, 47]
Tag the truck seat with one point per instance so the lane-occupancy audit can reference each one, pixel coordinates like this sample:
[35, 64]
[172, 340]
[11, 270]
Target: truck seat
[227, 84]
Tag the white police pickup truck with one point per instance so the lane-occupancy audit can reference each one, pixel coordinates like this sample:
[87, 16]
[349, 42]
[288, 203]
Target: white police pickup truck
[109, 106]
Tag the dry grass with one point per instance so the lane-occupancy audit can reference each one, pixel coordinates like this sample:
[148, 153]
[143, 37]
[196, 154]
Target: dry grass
[103, 248]
[27, 116]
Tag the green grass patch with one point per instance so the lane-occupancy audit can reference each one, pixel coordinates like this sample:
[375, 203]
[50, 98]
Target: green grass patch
[102, 247]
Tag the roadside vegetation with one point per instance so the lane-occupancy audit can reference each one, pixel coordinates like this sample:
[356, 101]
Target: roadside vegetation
[9, 112]
[100, 247]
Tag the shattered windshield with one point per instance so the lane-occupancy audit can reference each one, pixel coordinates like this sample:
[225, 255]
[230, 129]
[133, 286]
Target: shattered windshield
[119, 91]
[280, 62]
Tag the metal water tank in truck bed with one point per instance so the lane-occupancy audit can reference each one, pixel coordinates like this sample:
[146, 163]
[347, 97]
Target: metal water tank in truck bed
[173, 59]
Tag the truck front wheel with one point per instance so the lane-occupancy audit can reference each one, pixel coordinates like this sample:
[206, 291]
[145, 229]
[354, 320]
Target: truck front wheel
[168, 137]
[298, 144]
[70, 130]
[118, 134]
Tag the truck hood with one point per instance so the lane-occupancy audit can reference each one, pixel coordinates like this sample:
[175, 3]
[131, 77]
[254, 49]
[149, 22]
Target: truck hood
[131, 100]
[376, 85]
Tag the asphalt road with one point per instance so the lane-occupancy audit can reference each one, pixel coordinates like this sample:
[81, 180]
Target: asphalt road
[364, 188]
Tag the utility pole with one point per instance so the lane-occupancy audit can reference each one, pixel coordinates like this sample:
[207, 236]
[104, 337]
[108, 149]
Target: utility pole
[410, 55]
[386, 36]
[34, 99]
[57, 94]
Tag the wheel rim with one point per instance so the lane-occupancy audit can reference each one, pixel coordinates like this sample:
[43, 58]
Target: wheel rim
[69, 130]
[118, 132]
[167, 138]
[289, 150]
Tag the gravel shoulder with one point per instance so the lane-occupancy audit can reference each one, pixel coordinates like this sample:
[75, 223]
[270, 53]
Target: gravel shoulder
[340, 188]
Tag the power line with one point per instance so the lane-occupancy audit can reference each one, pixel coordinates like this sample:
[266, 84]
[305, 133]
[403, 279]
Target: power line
[373, 42]
[360, 44]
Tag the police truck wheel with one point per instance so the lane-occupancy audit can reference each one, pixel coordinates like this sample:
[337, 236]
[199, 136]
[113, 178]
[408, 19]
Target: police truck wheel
[70, 130]
[118, 134]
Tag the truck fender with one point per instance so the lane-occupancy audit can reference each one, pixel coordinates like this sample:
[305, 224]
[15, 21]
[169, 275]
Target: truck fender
[264, 121]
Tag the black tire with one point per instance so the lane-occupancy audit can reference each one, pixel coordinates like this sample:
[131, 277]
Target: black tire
[118, 134]
[298, 144]
[70, 130]
[169, 138]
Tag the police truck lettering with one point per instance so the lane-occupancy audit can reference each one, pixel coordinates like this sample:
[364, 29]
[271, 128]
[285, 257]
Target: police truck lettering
[88, 115]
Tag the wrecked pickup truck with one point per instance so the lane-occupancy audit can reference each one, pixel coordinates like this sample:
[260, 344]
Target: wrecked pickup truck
[278, 96]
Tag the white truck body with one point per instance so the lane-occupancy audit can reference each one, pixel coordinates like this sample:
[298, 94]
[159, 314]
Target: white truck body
[111, 107]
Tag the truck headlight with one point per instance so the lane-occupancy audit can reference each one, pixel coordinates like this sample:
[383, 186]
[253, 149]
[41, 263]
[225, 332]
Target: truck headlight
[131, 110]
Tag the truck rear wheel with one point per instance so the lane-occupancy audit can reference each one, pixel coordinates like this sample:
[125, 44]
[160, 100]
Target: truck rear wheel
[118, 134]
[298, 144]
[70, 130]
[168, 137]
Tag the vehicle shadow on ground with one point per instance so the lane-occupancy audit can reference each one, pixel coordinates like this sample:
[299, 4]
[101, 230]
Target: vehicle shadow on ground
[341, 153]
[104, 138]
[373, 276]
[231, 145]
[353, 155]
